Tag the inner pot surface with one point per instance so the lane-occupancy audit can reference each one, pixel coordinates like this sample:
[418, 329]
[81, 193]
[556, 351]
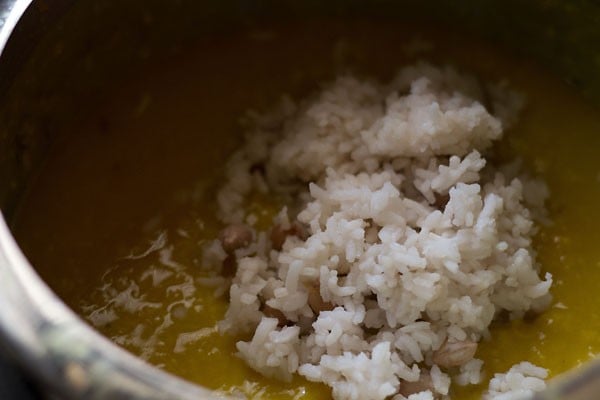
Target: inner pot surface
[61, 59]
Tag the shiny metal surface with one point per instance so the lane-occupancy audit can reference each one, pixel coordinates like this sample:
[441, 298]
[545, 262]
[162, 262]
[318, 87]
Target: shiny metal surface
[10, 12]
[71, 360]
[68, 357]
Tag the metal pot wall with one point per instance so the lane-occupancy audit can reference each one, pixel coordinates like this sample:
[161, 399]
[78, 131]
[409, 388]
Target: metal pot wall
[40, 89]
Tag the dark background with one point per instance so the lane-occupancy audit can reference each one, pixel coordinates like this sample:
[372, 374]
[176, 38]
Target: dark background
[13, 384]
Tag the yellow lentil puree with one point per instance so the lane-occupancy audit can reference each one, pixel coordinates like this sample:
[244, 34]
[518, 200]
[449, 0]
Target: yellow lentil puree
[116, 220]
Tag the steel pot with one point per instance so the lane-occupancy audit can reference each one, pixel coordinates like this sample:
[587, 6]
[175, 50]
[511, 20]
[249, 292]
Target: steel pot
[40, 87]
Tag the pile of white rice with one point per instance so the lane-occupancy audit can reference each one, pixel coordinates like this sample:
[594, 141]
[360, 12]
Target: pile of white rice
[398, 244]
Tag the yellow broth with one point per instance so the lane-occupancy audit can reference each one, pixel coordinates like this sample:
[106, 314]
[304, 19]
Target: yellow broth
[117, 217]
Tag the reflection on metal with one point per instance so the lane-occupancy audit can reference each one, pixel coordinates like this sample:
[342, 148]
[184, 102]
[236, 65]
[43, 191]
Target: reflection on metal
[69, 357]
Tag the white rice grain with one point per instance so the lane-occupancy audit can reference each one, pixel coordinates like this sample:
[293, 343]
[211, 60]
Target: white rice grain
[413, 241]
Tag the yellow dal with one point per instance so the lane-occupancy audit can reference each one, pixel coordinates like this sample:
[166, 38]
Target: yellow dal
[146, 163]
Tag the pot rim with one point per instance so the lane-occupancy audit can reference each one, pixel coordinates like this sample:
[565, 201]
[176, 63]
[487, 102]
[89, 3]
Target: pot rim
[49, 340]
[58, 348]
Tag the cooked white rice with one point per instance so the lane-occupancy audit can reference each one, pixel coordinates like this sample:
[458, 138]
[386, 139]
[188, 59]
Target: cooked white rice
[519, 383]
[401, 242]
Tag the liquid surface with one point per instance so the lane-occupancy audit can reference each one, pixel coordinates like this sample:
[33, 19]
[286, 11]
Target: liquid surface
[116, 220]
